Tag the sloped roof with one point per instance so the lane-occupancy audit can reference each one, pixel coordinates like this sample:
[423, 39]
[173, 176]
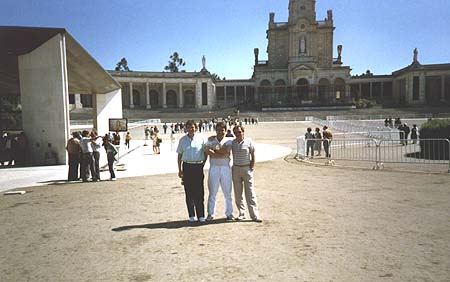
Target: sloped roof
[85, 74]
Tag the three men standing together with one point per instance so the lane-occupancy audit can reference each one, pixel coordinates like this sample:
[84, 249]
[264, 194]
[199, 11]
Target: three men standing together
[192, 154]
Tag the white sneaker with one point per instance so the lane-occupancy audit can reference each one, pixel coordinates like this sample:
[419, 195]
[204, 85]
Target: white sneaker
[113, 179]
[201, 219]
[191, 219]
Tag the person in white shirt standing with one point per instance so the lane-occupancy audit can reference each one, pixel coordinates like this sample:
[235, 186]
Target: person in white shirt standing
[218, 149]
[243, 180]
[87, 159]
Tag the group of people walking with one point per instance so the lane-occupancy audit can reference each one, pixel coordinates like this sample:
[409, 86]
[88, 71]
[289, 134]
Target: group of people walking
[315, 140]
[193, 151]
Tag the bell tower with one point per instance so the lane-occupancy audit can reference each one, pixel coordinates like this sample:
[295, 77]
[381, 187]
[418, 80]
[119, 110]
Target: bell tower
[302, 9]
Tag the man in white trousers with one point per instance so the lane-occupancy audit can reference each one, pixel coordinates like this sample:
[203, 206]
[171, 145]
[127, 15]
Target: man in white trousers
[218, 149]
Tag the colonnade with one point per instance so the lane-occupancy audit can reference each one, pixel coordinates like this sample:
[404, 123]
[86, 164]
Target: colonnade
[163, 94]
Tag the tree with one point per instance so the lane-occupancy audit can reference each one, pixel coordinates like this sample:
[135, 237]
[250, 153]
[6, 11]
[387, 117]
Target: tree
[175, 63]
[122, 65]
[215, 76]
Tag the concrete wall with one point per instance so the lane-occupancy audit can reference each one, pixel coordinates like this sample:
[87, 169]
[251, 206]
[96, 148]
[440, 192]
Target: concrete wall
[106, 106]
[45, 100]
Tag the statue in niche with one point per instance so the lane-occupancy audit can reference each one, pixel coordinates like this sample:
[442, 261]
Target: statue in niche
[416, 53]
[204, 62]
[302, 45]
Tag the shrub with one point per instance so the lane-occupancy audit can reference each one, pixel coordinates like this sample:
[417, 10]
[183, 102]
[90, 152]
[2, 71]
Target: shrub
[364, 103]
[435, 129]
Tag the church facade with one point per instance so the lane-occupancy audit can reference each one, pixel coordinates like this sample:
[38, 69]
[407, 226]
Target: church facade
[303, 69]
[300, 69]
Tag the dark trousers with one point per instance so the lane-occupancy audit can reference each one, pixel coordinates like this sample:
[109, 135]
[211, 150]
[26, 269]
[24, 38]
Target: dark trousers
[97, 163]
[74, 162]
[87, 164]
[310, 145]
[194, 188]
[326, 147]
[111, 164]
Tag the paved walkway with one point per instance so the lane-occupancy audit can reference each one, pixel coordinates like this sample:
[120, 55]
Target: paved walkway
[139, 160]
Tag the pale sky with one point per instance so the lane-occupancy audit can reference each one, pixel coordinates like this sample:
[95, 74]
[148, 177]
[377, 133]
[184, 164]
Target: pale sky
[379, 35]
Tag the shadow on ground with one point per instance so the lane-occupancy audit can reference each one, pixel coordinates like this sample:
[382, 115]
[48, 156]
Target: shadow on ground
[172, 225]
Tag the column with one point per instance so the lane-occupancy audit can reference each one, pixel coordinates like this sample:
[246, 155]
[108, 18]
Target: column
[409, 88]
[147, 96]
[422, 90]
[348, 90]
[198, 94]
[370, 90]
[105, 106]
[442, 88]
[382, 89]
[164, 96]
[360, 91]
[245, 94]
[180, 95]
[78, 104]
[225, 95]
[131, 95]
[235, 95]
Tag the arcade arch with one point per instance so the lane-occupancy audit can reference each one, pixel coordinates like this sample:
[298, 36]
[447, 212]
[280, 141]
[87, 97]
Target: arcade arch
[339, 89]
[324, 91]
[136, 97]
[171, 99]
[280, 92]
[265, 91]
[154, 98]
[189, 99]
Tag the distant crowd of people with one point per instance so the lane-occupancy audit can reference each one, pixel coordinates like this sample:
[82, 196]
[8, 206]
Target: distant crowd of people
[202, 125]
[404, 130]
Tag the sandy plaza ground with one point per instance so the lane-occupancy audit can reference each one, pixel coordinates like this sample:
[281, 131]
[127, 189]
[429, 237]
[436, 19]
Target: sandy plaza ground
[321, 223]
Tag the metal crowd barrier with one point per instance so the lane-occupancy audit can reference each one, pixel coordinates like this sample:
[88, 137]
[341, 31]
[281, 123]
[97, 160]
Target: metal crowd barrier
[384, 151]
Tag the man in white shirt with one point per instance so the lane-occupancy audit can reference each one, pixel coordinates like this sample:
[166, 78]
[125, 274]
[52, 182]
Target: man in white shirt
[87, 158]
[218, 149]
[190, 160]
